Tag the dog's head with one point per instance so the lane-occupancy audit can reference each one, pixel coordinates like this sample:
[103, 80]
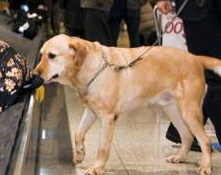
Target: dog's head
[59, 59]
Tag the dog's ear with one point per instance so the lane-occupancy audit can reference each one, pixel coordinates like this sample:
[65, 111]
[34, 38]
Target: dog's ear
[79, 47]
[76, 43]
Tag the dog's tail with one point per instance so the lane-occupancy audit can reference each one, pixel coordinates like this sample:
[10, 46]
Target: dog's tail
[211, 63]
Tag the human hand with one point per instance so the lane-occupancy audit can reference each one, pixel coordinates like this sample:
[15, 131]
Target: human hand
[164, 6]
[34, 82]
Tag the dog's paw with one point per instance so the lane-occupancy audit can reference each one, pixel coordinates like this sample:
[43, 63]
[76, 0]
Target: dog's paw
[205, 167]
[94, 171]
[79, 156]
[175, 159]
[204, 170]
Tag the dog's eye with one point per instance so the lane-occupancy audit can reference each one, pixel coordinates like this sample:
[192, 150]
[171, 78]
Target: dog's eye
[51, 55]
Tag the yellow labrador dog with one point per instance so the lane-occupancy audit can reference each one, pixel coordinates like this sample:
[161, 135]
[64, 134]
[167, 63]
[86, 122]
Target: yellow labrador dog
[111, 81]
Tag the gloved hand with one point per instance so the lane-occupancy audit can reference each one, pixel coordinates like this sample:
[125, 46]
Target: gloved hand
[34, 82]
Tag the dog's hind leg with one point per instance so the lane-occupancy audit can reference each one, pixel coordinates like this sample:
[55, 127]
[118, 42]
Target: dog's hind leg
[107, 129]
[172, 111]
[193, 118]
[87, 120]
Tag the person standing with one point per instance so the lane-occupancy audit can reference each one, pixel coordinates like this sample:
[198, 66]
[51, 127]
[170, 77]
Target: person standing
[202, 26]
[55, 16]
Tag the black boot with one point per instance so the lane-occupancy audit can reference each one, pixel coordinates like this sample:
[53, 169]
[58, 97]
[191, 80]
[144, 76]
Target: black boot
[173, 135]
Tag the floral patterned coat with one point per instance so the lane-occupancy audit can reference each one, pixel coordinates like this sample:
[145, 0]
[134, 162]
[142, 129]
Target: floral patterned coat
[13, 73]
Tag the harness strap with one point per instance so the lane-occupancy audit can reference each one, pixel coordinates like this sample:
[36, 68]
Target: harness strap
[97, 73]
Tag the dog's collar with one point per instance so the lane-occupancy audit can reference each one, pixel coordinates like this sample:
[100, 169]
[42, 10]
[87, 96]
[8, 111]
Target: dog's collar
[105, 64]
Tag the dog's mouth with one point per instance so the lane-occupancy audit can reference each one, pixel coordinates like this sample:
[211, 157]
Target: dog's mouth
[53, 77]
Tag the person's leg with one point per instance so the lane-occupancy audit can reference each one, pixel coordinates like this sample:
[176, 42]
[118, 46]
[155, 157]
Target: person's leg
[115, 19]
[132, 19]
[55, 18]
[212, 106]
[211, 27]
[97, 27]
[70, 31]
[74, 19]
[115, 29]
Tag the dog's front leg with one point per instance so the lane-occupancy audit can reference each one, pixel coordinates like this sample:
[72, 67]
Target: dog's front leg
[87, 120]
[107, 129]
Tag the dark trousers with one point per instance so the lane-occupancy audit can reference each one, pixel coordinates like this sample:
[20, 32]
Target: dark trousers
[71, 31]
[204, 38]
[212, 108]
[74, 19]
[97, 27]
[132, 19]
[55, 17]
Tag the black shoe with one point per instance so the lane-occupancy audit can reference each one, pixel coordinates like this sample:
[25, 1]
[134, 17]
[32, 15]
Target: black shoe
[195, 146]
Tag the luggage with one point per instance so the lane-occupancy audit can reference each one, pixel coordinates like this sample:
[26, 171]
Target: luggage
[26, 23]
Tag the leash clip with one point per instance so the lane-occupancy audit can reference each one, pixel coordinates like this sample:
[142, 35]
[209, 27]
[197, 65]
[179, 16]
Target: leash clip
[117, 68]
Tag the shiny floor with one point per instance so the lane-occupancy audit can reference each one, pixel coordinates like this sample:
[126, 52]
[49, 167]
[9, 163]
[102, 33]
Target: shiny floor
[139, 145]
